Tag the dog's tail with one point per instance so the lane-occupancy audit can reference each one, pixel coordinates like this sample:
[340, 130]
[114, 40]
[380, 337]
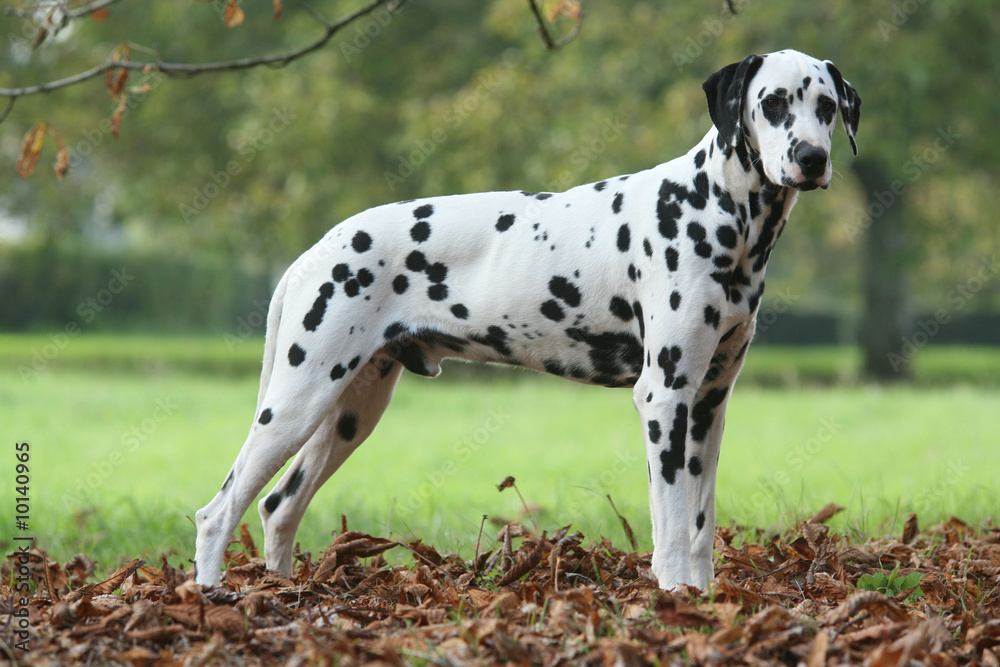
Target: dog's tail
[271, 336]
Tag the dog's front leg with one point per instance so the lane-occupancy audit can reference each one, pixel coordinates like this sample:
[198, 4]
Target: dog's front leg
[663, 397]
[705, 427]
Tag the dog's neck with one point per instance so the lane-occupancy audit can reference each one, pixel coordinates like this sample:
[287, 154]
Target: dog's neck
[762, 209]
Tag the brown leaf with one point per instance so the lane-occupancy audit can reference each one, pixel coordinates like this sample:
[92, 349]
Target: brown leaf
[826, 513]
[910, 530]
[677, 612]
[567, 8]
[233, 15]
[116, 117]
[100, 14]
[108, 586]
[524, 564]
[247, 541]
[39, 38]
[80, 568]
[31, 149]
[506, 483]
[62, 157]
[277, 10]
[817, 654]
[871, 601]
[116, 77]
[211, 617]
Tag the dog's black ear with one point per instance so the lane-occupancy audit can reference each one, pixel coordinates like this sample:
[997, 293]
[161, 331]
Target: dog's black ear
[726, 92]
[850, 104]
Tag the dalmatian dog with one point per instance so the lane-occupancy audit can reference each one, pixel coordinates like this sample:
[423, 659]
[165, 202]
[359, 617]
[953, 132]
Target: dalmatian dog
[650, 281]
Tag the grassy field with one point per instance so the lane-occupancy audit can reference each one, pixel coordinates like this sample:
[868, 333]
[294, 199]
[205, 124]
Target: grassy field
[127, 441]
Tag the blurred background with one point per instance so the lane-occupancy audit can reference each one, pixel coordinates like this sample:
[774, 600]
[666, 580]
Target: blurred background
[157, 253]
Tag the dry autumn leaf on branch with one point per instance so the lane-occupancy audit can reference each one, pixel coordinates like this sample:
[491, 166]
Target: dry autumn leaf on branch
[233, 15]
[31, 150]
[116, 77]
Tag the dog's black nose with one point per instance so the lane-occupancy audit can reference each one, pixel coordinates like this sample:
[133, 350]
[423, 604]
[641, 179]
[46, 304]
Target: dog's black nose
[811, 159]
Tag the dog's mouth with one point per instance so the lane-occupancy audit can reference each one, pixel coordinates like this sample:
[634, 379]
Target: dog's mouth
[805, 185]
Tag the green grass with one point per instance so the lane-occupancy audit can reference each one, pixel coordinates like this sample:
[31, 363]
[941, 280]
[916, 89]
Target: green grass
[121, 457]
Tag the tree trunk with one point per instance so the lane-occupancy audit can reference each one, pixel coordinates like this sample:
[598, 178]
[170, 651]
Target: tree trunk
[884, 323]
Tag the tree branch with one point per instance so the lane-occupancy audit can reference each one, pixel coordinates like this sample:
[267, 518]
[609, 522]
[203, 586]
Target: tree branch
[68, 13]
[193, 69]
[543, 30]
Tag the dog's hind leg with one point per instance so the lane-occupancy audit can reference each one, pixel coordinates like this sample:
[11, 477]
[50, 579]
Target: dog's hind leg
[299, 388]
[346, 426]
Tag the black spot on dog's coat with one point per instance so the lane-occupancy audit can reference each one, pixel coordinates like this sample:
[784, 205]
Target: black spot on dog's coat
[562, 288]
[272, 502]
[460, 311]
[621, 309]
[347, 426]
[416, 261]
[315, 315]
[624, 238]
[699, 521]
[694, 467]
[675, 300]
[672, 460]
[712, 316]
[421, 231]
[294, 482]
[341, 272]
[400, 283]
[265, 416]
[337, 372]
[425, 211]
[504, 222]
[654, 431]
[672, 258]
[552, 310]
[437, 272]
[361, 242]
[616, 204]
[296, 355]
[437, 292]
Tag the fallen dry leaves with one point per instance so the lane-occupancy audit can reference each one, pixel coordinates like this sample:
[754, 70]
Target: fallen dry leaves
[555, 600]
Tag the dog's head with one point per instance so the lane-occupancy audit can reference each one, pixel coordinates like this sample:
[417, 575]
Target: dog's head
[784, 105]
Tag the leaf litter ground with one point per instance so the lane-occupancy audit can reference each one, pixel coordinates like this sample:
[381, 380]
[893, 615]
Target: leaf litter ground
[536, 599]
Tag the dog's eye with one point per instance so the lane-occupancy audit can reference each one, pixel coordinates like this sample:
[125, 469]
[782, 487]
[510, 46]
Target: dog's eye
[774, 101]
[827, 106]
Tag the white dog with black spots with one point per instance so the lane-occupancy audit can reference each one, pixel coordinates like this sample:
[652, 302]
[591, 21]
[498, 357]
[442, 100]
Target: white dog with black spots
[650, 281]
